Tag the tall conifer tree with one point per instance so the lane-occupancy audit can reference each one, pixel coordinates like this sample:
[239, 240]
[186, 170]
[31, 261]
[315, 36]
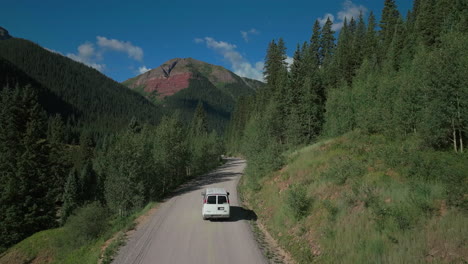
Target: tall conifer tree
[327, 42]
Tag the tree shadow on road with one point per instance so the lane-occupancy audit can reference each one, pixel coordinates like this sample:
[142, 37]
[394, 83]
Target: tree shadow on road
[221, 174]
[238, 214]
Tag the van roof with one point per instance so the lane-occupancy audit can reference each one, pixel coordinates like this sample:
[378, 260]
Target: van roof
[216, 191]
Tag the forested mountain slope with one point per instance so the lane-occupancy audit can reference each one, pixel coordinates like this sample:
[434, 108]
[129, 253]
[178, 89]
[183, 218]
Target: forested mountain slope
[94, 101]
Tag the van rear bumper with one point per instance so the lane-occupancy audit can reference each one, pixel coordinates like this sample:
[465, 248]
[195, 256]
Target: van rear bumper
[216, 216]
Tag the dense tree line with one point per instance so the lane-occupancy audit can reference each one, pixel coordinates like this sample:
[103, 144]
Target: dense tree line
[43, 180]
[79, 148]
[31, 175]
[144, 162]
[403, 77]
[69, 136]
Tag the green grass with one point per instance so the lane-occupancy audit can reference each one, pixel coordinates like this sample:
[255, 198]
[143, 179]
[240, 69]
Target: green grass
[370, 200]
[57, 245]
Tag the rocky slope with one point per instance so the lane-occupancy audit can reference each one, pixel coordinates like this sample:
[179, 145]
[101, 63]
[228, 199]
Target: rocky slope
[176, 74]
[178, 85]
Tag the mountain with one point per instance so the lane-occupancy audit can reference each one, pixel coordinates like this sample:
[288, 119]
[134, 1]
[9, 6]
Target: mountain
[82, 95]
[180, 83]
[4, 34]
[176, 74]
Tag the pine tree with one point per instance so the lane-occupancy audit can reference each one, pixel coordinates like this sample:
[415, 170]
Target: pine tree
[27, 200]
[359, 43]
[276, 73]
[371, 41]
[70, 196]
[236, 127]
[395, 52]
[327, 47]
[315, 45]
[427, 24]
[199, 126]
[272, 67]
[295, 133]
[343, 58]
[86, 148]
[297, 77]
[411, 37]
[313, 106]
[56, 130]
[59, 163]
[10, 149]
[88, 183]
[390, 16]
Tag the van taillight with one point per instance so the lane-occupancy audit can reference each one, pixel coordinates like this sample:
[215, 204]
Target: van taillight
[204, 201]
[228, 201]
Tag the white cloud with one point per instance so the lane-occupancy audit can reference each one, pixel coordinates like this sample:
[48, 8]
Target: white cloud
[323, 20]
[52, 50]
[239, 64]
[87, 55]
[143, 69]
[91, 53]
[133, 52]
[289, 61]
[245, 34]
[348, 11]
[86, 50]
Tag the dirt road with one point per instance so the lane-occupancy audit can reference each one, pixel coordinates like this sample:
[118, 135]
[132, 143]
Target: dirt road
[177, 234]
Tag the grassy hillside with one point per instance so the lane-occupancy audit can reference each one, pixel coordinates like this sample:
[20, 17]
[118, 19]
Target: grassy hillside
[72, 243]
[366, 199]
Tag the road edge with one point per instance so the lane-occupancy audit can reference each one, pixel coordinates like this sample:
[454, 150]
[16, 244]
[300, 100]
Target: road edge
[266, 243]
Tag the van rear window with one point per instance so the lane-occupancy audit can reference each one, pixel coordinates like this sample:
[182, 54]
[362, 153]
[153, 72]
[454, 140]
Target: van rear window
[222, 200]
[211, 200]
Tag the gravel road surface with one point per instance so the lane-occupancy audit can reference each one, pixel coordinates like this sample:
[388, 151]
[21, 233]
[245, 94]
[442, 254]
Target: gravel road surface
[177, 234]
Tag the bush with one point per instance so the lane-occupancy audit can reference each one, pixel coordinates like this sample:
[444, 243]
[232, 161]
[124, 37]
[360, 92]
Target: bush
[331, 209]
[297, 200]
[342, 168]
[87, 223]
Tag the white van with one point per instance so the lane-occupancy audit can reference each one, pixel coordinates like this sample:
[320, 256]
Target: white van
[215, 203]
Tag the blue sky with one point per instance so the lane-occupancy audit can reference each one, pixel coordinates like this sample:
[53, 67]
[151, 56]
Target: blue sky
[122, 39]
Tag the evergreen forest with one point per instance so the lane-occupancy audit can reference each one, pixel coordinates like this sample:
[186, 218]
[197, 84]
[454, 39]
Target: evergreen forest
[402, 77]
[71, 138]
[357, 150]
[79, 150]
